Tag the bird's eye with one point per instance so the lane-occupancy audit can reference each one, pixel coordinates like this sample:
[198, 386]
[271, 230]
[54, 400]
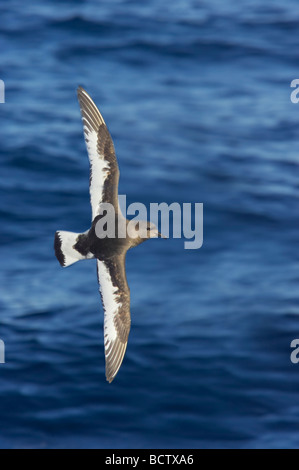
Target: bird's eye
[148, 228]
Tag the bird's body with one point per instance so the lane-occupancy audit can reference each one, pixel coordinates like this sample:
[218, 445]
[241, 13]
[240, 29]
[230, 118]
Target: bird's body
[110, 252]
[101, 248]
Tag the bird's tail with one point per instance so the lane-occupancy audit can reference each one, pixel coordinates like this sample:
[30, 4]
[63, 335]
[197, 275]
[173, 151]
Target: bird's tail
[65, 251]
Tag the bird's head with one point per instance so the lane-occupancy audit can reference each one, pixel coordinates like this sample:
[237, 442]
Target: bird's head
[142, 231]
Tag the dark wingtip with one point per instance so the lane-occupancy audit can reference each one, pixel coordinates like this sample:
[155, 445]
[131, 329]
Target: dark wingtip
[80, 90]
[58, 250]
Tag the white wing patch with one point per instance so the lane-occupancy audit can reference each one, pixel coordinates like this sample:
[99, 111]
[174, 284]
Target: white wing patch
[115, 336]
[99, 164]
[111, 305]
[99, 170]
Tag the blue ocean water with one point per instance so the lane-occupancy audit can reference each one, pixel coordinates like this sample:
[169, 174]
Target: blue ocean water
[196, 95]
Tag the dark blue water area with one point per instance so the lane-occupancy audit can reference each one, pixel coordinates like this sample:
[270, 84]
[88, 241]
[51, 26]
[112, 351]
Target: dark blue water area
[196, 95]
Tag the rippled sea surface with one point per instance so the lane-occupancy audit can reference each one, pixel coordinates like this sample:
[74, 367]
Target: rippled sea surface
[196, 95]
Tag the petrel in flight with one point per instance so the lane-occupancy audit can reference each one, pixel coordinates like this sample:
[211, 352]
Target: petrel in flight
[110, 252]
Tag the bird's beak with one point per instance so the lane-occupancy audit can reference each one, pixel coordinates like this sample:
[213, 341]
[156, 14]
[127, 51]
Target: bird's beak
[160, 235]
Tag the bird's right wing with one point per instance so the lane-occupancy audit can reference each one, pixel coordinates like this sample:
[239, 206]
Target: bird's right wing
[115, 295]
[104, 172]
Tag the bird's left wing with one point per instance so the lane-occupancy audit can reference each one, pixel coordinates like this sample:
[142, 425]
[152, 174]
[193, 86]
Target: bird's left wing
[104, 172]
[115, 295]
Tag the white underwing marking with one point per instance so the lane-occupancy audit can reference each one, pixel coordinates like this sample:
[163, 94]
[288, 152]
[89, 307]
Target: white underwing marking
[99, 170]
[111, 305]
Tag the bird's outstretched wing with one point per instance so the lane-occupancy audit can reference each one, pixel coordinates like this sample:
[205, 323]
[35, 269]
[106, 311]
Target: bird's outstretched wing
[104, 172]
[115, 295]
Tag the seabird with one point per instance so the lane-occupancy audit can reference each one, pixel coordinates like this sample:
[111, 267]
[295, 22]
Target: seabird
[110, 253]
